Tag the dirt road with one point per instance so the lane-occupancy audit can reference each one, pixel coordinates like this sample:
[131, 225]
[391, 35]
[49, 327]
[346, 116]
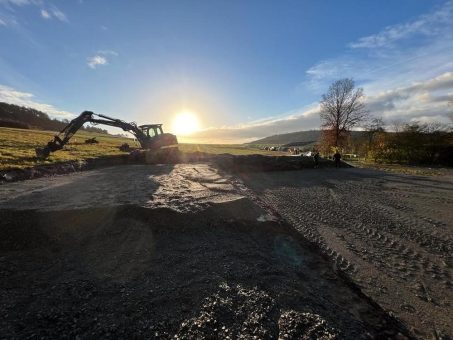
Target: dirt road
[392, 234]
[165, 252]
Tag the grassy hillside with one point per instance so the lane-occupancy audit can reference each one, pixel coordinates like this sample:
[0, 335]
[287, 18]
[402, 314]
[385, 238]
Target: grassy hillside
[17, 147]
[308, 137]
[300, 136]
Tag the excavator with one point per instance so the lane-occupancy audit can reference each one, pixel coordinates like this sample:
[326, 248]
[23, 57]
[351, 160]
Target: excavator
[149, 136]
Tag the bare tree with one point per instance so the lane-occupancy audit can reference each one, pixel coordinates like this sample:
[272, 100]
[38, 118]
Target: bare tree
[373, 127]
[450, 114]
[342, 108]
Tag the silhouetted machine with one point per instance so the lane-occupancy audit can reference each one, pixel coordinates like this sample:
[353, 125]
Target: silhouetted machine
[149, 136]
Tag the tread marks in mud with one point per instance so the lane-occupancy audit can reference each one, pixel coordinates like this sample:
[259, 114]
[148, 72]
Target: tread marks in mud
[308, 225]
[381, 235]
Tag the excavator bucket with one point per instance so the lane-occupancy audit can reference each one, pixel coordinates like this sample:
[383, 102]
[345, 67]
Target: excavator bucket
[42, 153]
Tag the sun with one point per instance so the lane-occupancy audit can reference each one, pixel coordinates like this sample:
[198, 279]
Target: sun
[185, 123]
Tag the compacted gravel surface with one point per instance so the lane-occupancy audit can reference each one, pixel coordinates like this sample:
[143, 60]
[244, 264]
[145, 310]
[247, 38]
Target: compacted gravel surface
[167, 252]
[391, 234]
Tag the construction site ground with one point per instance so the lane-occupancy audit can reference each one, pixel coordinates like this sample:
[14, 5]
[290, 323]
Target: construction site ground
[190, 251]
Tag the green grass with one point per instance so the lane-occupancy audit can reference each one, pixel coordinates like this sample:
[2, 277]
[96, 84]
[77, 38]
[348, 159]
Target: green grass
[233, 149]
[402, 168]
[17, 147]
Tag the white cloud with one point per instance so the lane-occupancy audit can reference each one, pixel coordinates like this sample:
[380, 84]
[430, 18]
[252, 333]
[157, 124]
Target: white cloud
[398, 55]
[100, 58]
[17, 2]
[12, 96]
[108, 52]
[96, 60]
[427, 25]
[425, 101]
[53, 12]
[45, 14]
[306, 118]
[58, 14]
[2, 22]
[46, 11]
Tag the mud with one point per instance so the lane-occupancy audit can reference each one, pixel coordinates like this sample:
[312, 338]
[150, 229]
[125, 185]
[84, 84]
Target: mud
[391, 234]
[83, 256]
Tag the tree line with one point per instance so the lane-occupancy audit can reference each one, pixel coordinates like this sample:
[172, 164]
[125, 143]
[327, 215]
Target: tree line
[21, 117]
[342, 110]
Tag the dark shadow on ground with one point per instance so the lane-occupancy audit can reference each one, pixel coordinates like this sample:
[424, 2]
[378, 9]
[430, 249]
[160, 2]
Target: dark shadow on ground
[133, 272]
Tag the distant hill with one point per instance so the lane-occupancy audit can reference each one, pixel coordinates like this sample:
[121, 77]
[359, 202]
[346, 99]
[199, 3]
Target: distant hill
[305, 137]
[300, 138]
[27, 118]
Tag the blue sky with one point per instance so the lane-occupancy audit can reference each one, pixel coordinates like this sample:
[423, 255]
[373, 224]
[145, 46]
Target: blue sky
[248, 69]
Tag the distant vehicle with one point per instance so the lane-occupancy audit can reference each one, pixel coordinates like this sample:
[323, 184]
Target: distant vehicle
[350, 156]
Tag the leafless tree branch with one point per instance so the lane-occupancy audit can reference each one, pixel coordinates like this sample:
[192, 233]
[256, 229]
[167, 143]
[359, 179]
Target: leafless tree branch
[342, 108]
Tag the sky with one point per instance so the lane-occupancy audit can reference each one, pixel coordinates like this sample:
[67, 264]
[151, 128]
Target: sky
[245, 69]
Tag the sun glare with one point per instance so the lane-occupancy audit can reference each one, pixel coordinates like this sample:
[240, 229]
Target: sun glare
[185, 123]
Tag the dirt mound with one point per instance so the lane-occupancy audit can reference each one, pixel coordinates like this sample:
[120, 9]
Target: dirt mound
[169, 156]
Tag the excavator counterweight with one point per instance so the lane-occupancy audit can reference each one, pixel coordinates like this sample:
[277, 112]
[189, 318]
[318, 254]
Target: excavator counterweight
[150, 137]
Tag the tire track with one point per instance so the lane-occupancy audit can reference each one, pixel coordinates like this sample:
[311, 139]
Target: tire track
[394, 240]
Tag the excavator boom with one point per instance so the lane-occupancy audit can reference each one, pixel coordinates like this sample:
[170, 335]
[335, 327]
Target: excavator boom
[155, 141]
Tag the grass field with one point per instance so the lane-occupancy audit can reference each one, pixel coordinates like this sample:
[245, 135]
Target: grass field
[17, 147]
[403, 168]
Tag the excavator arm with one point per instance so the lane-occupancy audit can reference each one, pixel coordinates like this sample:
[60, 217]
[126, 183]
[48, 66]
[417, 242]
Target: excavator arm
[87, 116]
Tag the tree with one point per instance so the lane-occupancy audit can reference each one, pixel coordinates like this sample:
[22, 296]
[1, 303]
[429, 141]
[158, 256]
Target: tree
[372, 128]
[450, 114]
[342, 109]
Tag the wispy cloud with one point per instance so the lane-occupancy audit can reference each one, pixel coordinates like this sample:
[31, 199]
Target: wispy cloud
[421, 101]
[394, 57]
[18, 2]
[425, 101]
[305, 118]
[12, 96]
[100, 58]
[426, 25]
[45, 14]
[58, 14]
[46, 11]
[406, 69]
[96, 61]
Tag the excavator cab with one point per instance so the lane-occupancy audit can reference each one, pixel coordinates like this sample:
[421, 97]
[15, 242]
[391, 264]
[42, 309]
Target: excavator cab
[152, 130]
[155, 136]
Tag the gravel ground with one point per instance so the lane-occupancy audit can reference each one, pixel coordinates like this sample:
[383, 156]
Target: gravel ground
[83, 256]
[391, 234]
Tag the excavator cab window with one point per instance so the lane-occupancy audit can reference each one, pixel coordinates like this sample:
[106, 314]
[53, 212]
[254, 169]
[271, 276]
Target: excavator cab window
[151, 132]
